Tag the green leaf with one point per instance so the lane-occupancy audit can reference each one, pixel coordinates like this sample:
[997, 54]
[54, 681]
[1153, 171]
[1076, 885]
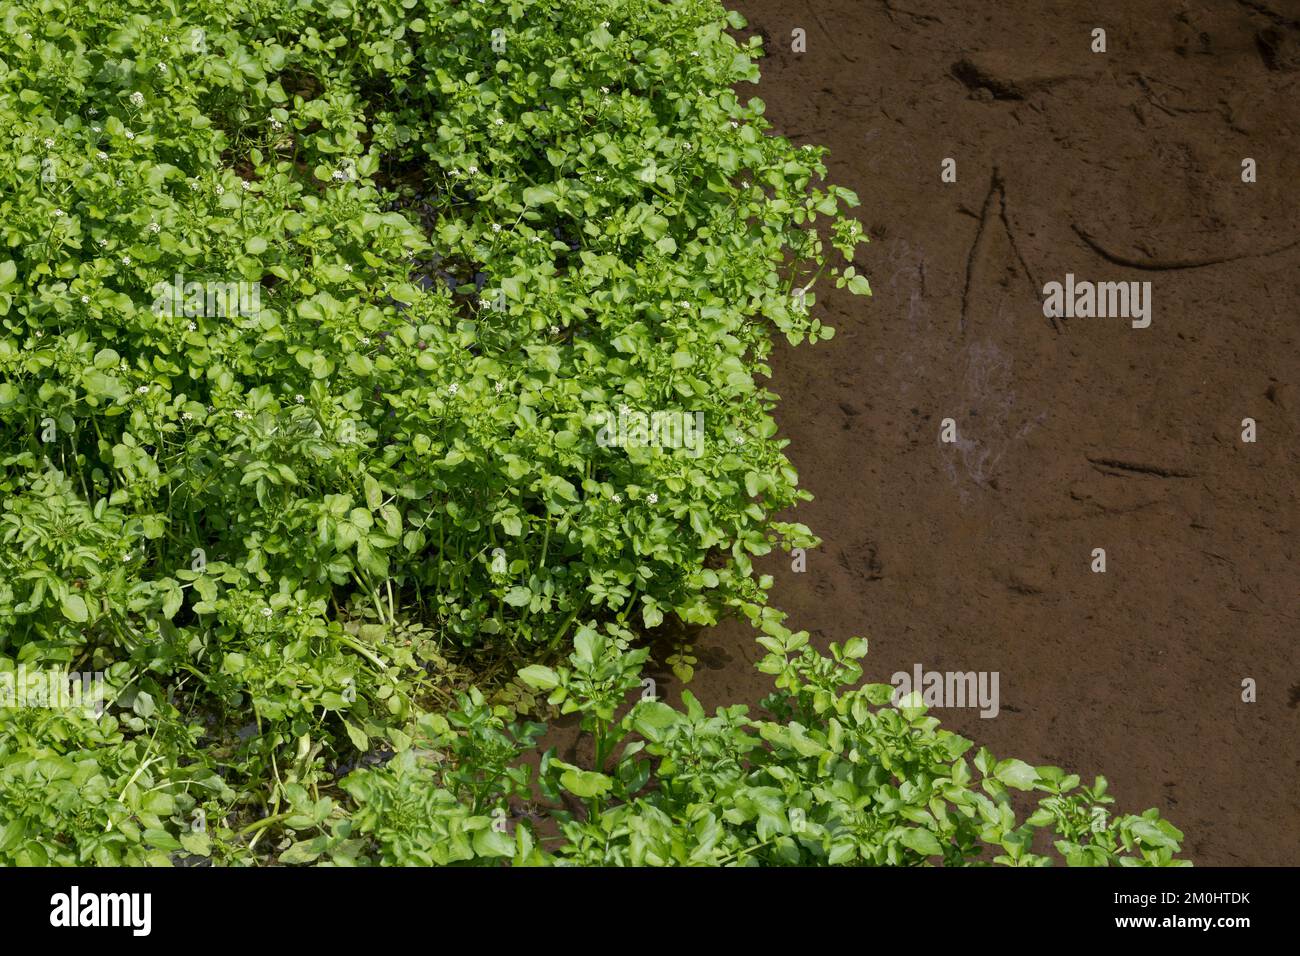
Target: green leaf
[859, 285]
[652, 718]
[585, 783]
[102, 385]
[539, 195]
[74, 608]
[586, 645]
[518, 596]
[539, 676]
[922, 841]
[1016, 773]
[490, 842]
[654, 227]
[359, 364]
[374, 493]
[196, 842]
[1152, 835]
[172, 600]
[357, 736]
[304, 851]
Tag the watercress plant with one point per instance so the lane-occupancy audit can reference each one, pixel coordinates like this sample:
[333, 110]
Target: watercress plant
[310, 315]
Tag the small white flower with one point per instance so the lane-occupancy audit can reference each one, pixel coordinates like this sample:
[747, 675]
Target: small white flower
[453, 388]
[192, 327]
[604, 89]
[498, 387]
[49, 143]
[266, 612]
[127, 556]
[616, 498]
[97, 129]
[687, 147]
[103, 242]
[744, 184]
[600, 179]
[155, 228]
[496, 227]
[194, 185]
[186, 416]
[534, 238]
[220, 190]
[85, 299]
[652, 498]
[473, 170]
[604, 24]
[92, 112]
[348, 268]
[365, 340]
[246, 184]
[40, 334]
[137, 98]
[129, 134]
[121, 367]
[240, 415]
[142, 390]
[58, 214]
[126, 260]
[500, 121]
[339, 175]
[299, 399]
[740, 439]
[276, 124]
[162, 67]
[101, 155]
[555, 329]
[695, 53]
[735, 125]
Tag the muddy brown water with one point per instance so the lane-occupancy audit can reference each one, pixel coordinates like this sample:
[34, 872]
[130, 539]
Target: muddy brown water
[1073, 435]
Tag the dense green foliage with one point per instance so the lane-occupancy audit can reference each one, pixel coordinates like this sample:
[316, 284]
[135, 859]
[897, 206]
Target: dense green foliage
[836, 778]
[468, 232]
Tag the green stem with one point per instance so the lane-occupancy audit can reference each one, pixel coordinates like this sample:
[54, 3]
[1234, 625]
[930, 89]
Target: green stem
[265, 822]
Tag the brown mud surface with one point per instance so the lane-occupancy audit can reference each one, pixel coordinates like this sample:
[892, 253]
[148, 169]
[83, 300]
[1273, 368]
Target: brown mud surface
[1076, 434]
